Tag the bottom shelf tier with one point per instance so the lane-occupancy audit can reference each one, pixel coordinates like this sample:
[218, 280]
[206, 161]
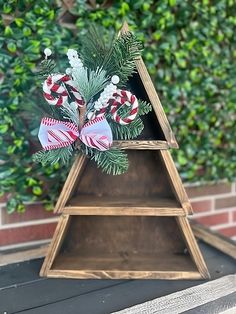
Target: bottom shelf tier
[126, 266]
[121, 247]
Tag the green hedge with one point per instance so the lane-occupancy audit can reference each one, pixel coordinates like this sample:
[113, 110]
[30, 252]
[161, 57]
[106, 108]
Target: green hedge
[190, 49]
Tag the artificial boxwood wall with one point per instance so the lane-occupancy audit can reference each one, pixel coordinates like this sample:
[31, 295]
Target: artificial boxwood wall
[189, 50]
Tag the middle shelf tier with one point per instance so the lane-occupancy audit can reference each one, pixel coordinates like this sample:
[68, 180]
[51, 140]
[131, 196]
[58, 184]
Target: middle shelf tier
[126, 206]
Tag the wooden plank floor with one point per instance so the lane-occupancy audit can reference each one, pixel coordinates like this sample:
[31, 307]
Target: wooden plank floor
[23, 291]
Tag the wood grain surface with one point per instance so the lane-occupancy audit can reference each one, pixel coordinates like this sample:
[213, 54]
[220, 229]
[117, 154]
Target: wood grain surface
[215, 239]
[70, 183]
[185, 300]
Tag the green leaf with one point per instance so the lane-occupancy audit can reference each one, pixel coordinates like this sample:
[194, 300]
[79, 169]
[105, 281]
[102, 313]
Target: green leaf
[3, 128]
[11, 47]
[8, 31]
[12, 205]
[7, 8]
[19, 21]
[27, 31]
[172, 3]
[37, 190]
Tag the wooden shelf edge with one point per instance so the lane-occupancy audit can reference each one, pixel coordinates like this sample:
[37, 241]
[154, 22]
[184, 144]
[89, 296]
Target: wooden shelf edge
[193, 246]
[124, 211]
[75, 170]
[214, 239]
[120, 274]
[142, 144]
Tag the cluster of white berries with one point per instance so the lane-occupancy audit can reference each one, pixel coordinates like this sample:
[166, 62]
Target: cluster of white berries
[109, 90]
[74, 59]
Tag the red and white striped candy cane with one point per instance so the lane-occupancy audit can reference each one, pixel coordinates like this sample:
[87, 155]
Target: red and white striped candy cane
[54, 83]
[102, 111]
[124, 97]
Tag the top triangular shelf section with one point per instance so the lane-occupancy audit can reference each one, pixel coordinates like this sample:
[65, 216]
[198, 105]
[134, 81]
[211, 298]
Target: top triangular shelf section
[157, 133]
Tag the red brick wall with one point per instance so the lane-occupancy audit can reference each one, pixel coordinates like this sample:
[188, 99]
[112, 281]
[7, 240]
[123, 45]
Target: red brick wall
[35, 226]
[214, 206]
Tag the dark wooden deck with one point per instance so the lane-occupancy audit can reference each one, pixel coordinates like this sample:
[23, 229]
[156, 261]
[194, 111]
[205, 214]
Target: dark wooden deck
[23, 291]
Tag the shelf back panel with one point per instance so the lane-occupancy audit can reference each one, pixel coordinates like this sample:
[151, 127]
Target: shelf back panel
[152, 129]
[146, 177]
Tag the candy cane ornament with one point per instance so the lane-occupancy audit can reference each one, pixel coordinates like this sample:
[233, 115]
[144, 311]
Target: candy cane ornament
[120, 98]
[58, 84]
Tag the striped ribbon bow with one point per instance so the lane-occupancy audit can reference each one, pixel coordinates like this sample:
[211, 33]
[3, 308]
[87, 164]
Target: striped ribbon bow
[55, 134]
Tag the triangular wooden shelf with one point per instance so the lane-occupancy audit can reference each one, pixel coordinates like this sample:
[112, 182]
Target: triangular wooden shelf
[128, 226]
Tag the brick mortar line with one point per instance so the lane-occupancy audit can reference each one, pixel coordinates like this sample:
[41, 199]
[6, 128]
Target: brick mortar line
[212, 213]
[211, 196]
[225, 196]
[220, 226]
[24, 244]
[201, 198]
[197, 184]
[29, 223]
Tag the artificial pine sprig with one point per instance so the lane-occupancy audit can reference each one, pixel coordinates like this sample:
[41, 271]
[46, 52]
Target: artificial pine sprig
[144, 107]
[93, 48]
[47, 66]
[126, 132]
[116, 58]
[53, 156]
[113, 161]
[121, 58]
[89, 82]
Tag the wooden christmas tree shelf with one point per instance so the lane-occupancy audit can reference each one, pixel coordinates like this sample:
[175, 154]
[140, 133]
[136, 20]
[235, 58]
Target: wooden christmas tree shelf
[129, 226]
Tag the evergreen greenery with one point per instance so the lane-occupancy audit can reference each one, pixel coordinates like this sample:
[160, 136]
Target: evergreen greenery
[47, 67]
[53, 156]
[116, 57]
[113, 161]
[90, 83]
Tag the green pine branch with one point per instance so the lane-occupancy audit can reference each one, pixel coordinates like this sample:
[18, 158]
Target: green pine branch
[47, 67]
[89, 82]
[116, 57]
[53, 156]
[121, 58]
[113, 161]
[144, 107]
[126, 132]
[93, 48]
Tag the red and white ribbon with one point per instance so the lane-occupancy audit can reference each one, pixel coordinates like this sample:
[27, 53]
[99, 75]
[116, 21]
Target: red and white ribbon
[55, 134]
[121, 98]
[54, 84]
[97, 134]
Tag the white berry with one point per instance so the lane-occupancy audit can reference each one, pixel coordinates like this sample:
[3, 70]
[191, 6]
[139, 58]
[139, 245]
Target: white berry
[74, 105]
[68, 71]
[47, 52]
[115, 79]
